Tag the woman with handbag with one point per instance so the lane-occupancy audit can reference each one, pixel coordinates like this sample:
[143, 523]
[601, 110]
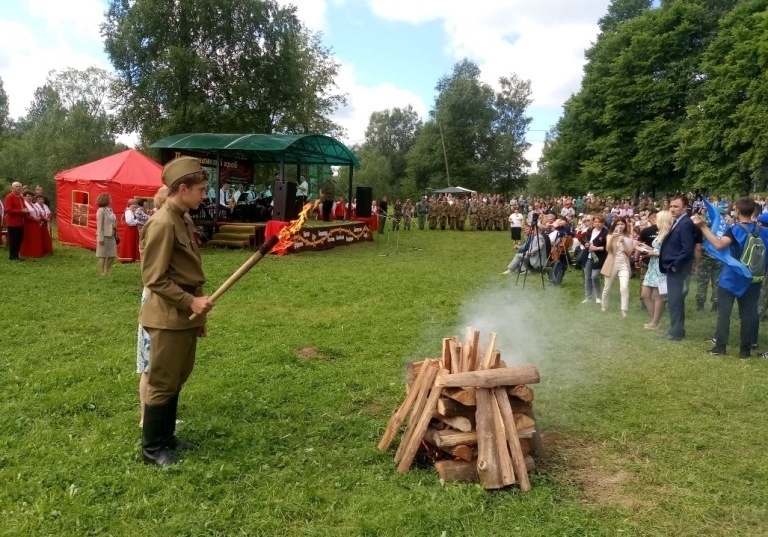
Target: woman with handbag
[619, 247]
[594, 240]
[106, 234]
[650, 293]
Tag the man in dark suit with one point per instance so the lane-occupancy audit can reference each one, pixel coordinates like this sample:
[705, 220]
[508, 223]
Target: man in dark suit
[676, 261]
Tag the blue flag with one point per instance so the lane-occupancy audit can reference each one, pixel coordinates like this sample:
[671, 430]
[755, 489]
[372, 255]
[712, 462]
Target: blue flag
[736, 277]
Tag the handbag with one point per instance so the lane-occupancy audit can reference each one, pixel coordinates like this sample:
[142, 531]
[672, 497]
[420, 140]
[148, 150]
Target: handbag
[117, 238]
[663, 284]
[582, 258]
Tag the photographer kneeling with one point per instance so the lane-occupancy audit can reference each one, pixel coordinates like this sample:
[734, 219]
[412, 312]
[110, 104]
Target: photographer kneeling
[534, 253]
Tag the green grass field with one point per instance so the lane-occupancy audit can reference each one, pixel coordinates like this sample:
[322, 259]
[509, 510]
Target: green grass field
[304, 365]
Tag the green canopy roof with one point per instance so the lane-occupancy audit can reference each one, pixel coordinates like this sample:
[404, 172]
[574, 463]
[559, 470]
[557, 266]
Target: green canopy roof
[266, 148]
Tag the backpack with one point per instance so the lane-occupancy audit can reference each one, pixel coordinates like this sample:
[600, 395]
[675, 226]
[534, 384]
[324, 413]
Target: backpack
[753, 254]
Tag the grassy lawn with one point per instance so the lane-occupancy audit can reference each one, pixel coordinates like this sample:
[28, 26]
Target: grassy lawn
[304, 365]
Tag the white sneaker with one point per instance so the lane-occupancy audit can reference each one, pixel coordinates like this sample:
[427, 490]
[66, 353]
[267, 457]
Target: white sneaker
[598, 301]
[506, 272]
[586, 300]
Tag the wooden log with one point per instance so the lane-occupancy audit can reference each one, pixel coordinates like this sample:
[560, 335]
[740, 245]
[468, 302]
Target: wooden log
[490, 378]
[418, 432]
[448, 407]
[488, 358]
[502, 449]
[465, 453]
[525, 425]
[401, 413]
[466, 349]
[522, 392]
[496, 360]
[446, 358]
[460, 395]
[460, 423]
[453, 350]
[463, 471]
[519, 407]
[412, 373]
[518, 458]
[466, 472]
[475, 351]
[525, 446]
[446, 438]
[418, 408]
[488, 468]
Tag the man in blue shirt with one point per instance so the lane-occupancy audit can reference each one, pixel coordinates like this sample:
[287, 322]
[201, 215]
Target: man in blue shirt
[733, 283]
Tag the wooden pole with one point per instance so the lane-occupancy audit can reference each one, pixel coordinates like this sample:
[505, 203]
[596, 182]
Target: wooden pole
[418, 408]
[418, 433]
[401, 413]
[518, 459]
[502, 451]
[488, 468]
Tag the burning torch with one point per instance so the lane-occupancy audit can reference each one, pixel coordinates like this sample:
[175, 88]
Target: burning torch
[282, 240]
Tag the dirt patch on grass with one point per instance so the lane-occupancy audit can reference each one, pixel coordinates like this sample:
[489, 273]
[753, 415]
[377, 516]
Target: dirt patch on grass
[310, 353]
[589, 466]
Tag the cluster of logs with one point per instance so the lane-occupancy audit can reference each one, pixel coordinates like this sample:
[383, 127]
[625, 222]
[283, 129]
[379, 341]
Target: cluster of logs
[471, 411]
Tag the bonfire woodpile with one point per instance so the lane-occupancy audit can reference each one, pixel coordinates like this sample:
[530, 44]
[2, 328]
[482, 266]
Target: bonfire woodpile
[470, 413]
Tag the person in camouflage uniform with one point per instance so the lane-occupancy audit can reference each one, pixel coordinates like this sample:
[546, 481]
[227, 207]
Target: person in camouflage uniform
[473, 207]
[397, 215]
[505, 216]
[482, 216]
[442, 213]
[422, 210]
[461, 218]
[407, 215]
[709, 272]
[452, 215]
[432, 213]
[498, 216]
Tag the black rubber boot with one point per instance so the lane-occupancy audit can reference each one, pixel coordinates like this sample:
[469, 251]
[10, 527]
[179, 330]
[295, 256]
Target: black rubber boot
[175, 443]
[155, 434]
[714, 306]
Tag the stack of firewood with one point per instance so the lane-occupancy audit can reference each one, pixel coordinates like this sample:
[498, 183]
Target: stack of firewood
[471, 413]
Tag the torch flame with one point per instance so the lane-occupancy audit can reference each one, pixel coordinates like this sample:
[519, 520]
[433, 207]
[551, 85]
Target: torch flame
[285, 237]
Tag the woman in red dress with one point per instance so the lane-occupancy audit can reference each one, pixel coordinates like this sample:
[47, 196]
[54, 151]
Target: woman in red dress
[128, 249]
[45, 225]
[339, 209]
[32, 244]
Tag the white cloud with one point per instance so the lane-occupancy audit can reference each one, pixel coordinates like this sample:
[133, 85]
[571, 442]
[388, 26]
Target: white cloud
[542, 41]
[310, 12]
[363, 100]
[54, 35]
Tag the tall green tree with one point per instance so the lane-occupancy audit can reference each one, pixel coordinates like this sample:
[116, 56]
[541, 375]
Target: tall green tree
[59, 133]
[474, 136]
[724, 145]
[392, 133]
[219, 66]
[4, 112]
[620, 133]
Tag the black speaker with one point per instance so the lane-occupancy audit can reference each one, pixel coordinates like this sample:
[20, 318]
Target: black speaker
[364, 199]
[284, 199]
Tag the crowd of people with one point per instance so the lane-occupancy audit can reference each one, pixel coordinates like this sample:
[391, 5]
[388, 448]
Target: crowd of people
[665, 244]
[27, 217]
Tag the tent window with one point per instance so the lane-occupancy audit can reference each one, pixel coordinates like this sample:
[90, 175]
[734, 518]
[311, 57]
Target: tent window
[79, 208]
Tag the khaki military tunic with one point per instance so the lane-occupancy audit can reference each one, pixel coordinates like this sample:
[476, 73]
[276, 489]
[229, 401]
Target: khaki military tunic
[171, 269]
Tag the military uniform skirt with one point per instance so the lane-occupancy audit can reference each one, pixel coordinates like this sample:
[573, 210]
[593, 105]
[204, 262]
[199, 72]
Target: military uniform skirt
[108, 249]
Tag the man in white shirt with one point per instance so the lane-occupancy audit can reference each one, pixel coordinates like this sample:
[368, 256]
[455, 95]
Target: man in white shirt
[224, 195]
[302, 190]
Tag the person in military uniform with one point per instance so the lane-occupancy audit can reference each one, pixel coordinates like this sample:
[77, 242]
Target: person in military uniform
[482, 216]
[432, 214]
[328, 192]
[452, 215]
[461, 219]
[172, 273]
[407, 214]
[397, 216]
[442, 213]
[505, 216]
[709, 272]
[422, 210]
[473, 206]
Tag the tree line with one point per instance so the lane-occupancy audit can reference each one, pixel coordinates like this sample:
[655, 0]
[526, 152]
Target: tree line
[673, 97]
[474, 136]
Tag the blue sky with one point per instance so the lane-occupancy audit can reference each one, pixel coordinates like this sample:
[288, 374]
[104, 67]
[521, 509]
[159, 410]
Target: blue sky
[392, 52]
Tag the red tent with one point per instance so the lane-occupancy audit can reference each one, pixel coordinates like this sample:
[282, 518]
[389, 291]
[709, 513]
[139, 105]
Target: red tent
[123, 176]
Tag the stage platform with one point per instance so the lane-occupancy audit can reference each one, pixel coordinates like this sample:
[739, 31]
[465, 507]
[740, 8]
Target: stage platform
[316, 235]
[239, 235]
